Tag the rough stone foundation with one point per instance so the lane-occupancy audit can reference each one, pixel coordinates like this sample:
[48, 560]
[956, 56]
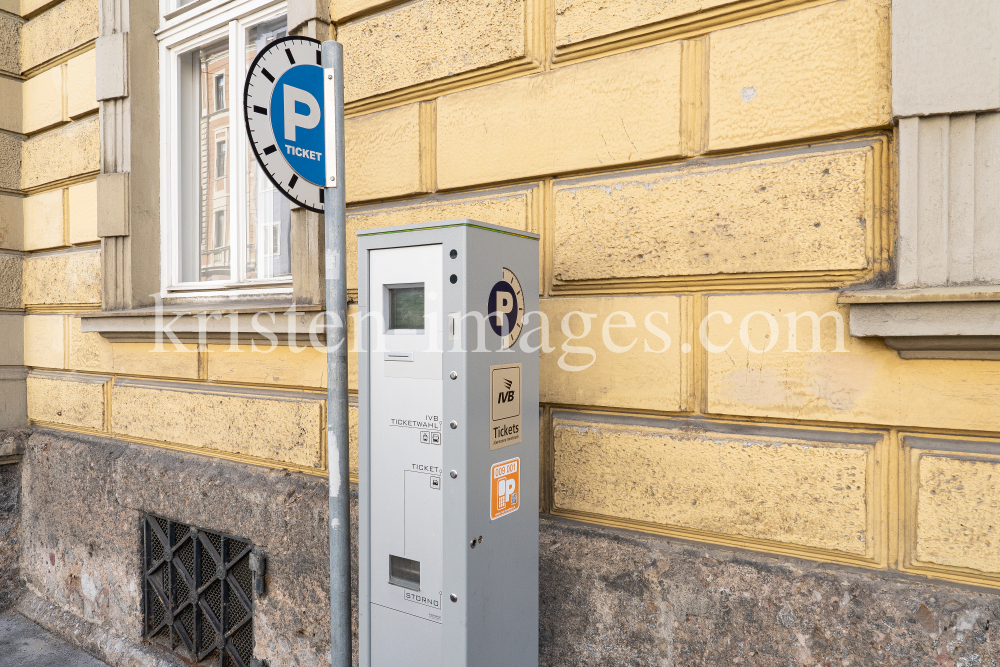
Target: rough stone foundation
[12, 444]
[610, 598]
[607, 597]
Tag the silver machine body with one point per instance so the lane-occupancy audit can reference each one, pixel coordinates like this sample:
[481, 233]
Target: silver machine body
[448, 446]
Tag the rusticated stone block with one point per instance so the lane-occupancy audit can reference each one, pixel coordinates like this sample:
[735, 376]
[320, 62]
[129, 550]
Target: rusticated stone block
[809, 73]
[621, 352]
[283, 427]
[957, 504]
[73, 400]
[609, 111]
[580, 20]
[427, 40]
[753, 369]
[798, 211]
[67, 25]
[383, 154]
[10, 280]
[768, 484]
[68, 151]
[64, 277]
[509, 207]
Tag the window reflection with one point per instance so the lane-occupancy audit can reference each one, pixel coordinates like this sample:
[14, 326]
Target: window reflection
[205, 187]
[268, 230]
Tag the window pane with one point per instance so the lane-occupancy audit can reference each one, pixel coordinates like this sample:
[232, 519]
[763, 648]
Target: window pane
[220, 158]
[220, 92]
[205, 204]
[268, 231]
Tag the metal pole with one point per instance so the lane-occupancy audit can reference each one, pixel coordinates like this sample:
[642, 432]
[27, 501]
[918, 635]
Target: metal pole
[334, 214]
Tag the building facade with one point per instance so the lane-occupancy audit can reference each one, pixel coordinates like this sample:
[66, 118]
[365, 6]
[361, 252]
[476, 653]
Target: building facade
[769, 333]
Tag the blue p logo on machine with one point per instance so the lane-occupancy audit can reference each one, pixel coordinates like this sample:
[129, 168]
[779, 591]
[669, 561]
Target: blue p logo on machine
[283, 108]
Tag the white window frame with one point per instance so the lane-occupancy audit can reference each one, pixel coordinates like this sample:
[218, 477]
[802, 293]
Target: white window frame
[200, 26]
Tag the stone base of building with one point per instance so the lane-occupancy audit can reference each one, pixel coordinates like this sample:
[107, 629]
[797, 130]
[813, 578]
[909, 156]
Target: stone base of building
[607, 597]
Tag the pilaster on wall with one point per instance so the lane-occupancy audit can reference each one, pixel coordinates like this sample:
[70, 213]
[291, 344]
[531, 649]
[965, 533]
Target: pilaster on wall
[308, 18]
[946, 101]
[13, 406]
[128, 186]
[949, 192]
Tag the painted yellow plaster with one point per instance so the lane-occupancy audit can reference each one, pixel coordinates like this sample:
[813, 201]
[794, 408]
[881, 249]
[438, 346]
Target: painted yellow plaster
[92, 352]
[958, 511]
[281, 365]
[43, 220]
[83, 212]
[341, 9]
[507, 207]
[282, 429]
[11, 149]
[586, 371]
[69, 24]
[264, 366]
[70, 400]
[11, 277]
[427, 40]
[782, 489]
[29, 6]
[81, 84]
[64, 277]
[810, 73]
[580, 20]
[67, 151]
[801, 212]
[45, 341]
[577, 117]
[43, 100]
[383, 154]
[11, 91]
[868, 383]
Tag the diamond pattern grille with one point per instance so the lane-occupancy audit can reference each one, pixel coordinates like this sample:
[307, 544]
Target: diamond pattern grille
[197, 593]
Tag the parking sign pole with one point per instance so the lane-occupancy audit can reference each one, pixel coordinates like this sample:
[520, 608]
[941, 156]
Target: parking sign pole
[334, 213]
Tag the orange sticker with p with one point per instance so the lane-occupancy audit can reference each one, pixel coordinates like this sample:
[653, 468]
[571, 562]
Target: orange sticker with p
[505, 479]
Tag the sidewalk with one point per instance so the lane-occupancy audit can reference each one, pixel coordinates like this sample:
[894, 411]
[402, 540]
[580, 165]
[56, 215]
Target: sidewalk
[24, 644]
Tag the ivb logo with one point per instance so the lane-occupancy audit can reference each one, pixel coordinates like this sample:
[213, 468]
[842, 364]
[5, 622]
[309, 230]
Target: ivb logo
[505, 480]
[505, 408]
[506, 396]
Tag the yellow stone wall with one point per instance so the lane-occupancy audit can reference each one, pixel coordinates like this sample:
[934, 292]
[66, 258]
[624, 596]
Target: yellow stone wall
[705, 176]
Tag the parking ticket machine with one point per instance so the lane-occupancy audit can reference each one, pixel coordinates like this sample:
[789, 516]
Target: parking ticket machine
[448, 446]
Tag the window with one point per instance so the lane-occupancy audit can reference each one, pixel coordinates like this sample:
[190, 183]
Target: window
[225, 225]
[220, 92]
[220, 158]
[220, 229]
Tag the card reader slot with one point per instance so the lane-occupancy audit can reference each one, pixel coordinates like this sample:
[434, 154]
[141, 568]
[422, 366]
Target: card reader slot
[404, 572]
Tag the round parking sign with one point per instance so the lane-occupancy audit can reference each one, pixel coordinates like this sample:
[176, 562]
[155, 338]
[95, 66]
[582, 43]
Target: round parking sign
[283, 108]
[505, 308]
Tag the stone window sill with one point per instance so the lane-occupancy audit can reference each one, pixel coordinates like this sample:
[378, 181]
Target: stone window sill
[212, 324]
[929, 323]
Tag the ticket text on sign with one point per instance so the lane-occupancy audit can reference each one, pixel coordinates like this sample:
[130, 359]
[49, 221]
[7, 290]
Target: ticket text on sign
[505, 479]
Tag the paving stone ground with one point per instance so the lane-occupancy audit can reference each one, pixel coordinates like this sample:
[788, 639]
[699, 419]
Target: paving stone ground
[24, 644]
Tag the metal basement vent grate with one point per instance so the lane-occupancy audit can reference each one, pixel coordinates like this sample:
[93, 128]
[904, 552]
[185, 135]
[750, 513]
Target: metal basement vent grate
[198, 593]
